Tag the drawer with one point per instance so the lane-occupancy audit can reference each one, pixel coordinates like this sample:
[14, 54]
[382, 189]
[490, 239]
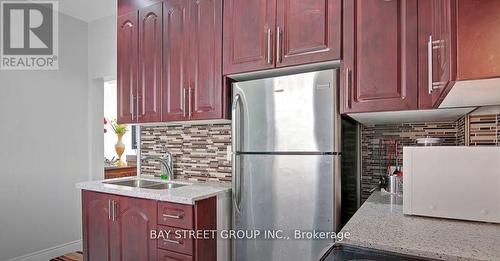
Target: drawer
[180, 245]
[164, 255]
[175, 215]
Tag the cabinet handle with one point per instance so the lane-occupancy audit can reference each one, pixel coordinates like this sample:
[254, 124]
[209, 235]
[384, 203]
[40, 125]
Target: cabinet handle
[269, 58]
[348, 87]
[190, 100]
[429, 62]
[184, 90]
[173, 216]
[114, 207]
[278, 45]
[172, 241]
[110, 209]
[431, 45]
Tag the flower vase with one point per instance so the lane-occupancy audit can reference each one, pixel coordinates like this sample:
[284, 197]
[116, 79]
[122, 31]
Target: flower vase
[120, 149]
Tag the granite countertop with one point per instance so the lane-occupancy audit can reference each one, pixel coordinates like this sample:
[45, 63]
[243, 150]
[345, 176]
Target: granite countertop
[380, 224]
[184, 195]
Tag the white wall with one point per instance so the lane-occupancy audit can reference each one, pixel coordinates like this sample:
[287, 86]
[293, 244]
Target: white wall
[44, 148]
[101, 67]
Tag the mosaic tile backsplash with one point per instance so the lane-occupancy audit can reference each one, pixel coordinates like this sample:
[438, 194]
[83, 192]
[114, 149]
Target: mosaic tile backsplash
[200, 152]
[484, 130]
[378, 146]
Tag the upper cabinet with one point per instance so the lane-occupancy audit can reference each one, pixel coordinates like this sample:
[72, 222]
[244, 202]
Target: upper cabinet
[249, 27]
[266, 34]
[176, 69]
[150, 63]
[379, 71]
[206, 96]
[308, 31]
[128, 67]
[462, 40]
[170, 61]
[478, 42]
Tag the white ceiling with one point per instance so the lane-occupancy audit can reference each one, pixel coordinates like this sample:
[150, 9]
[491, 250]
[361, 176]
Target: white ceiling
[88, 10]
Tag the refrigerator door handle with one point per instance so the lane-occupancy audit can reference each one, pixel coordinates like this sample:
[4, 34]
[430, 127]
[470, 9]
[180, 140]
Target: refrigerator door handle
[236, 184]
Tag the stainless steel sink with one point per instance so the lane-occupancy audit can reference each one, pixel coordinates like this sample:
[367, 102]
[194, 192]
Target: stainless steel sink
[166, 186]
[139, 183]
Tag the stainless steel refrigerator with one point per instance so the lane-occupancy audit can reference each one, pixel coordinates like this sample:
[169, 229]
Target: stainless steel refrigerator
[286, 164]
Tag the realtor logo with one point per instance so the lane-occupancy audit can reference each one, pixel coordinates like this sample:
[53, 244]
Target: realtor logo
[29, 35]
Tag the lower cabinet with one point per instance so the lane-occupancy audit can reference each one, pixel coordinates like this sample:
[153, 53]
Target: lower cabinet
[172, 256]
[119, 228]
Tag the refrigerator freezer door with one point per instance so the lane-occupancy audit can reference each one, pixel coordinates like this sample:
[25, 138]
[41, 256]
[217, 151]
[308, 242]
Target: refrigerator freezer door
[288, 193]
[287, 114]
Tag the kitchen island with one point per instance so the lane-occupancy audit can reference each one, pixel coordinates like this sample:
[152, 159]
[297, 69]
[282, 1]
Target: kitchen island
[154, 220]
[380, 224]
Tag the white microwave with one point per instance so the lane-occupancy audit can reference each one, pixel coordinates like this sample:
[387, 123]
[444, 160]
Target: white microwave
[452, 182]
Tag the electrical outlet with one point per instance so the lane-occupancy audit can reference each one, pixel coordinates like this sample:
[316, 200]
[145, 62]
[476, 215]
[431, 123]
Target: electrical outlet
[228, 153]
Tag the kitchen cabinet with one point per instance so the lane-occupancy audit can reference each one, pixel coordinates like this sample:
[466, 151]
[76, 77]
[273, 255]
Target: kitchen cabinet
[128, 67]
[150, 63]
[176, 59]
[193, 87]
[118, 228]
[175, 72]
[308, 31]
[132, 220]
[248, 35]
[139, 65]
[478, 39]
[96, 226]
[379, 71]
[206, 97]
[462, 40]
[267, 34]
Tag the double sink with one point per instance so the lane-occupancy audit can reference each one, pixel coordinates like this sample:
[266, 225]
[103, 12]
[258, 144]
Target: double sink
[148, 184]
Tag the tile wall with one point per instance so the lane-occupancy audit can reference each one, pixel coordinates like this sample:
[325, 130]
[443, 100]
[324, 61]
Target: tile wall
[200, 152]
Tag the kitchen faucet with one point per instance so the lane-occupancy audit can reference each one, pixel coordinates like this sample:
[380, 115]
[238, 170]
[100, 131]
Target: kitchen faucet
[166, 161]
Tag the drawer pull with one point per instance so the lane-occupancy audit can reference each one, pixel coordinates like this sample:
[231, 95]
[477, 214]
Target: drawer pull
[166, 240]
[173, 216]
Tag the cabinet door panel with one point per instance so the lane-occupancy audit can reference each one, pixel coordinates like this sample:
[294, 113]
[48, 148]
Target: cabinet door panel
[310, 31]
[96, 224]
[176, 59]
[131, 231]
[127, 74]
[380, 65]
[150, 63]
[246, 30]
[424, 31]
[478, 39]
[444, 47]
[206, 60]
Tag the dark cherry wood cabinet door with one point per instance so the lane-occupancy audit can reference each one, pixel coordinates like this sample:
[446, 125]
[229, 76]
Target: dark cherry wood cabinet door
[205, 95]
[379, 72]
[205, 219]
[127, 73]
[310, 31]
[424, 32]
[444, 46]
[135, 218]
[249, 35]
[150, 63]
[96, 226]
[478, 39]
[176, 64]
